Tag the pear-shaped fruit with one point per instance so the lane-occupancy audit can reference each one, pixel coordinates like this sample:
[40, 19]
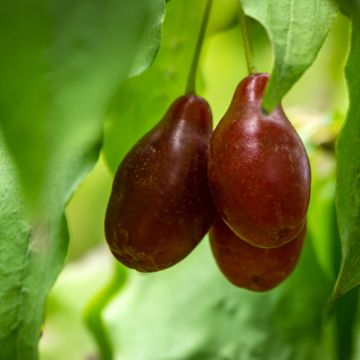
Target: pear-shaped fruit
[259, 172]
[250, 267]
[160, 206]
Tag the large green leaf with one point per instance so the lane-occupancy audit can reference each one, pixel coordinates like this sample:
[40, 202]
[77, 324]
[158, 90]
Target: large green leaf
[190, 312]
[29, 264]
[348, 180]
[297, 29]
[143, 100]
[61, 62]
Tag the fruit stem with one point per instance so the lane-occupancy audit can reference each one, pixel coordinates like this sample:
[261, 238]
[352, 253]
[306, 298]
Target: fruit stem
[246, 40]
[190, 87]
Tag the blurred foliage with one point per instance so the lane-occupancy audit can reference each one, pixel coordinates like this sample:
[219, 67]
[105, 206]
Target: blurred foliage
[348, 180]
[86, 211]
[65, 335]
[190, 312]
[224, 15]
[73, 55]
[61, 61]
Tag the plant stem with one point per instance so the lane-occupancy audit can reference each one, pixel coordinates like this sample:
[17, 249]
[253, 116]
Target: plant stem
[94, 310]
[190, 87]
[246, 40]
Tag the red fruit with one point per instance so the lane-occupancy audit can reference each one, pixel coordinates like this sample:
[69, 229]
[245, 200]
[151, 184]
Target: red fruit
[160, 206]
[259, 172]
[250, 267]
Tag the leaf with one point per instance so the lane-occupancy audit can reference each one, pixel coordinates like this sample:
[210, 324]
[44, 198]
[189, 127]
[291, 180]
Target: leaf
[27, 265]
[61, 62]
[348, 179]
[297, 30]
[143, 99]
[68, 61]
[190, 312]
[148, 46]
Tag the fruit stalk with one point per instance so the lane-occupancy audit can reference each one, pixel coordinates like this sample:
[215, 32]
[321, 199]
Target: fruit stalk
[190, 87]
[246, 40]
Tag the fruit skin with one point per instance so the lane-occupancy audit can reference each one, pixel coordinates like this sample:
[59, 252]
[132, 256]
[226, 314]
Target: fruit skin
[160, 206]
[249, 267]
[259, 171]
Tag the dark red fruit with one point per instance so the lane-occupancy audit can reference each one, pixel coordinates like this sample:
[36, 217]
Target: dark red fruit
[259, 172]
[160, 206]
[250, 267]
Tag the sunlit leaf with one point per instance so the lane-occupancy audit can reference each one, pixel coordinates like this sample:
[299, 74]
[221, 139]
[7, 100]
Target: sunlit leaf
[297, 29]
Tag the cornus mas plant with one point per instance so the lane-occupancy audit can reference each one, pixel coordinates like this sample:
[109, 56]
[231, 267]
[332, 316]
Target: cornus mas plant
[84, 78]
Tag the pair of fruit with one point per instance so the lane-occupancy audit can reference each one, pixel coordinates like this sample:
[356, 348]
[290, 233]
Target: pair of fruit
[249, 181]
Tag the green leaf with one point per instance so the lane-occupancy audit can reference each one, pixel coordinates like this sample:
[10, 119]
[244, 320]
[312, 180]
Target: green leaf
[69, 59]
[28, 265]
[297, 30]
[348, 185]
[149, 42]
[190, 312]
[61, 63]
[143, 99]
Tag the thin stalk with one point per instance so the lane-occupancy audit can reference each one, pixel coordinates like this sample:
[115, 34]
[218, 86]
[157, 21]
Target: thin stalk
[246, 40]
[94, 311]
[190, 87]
